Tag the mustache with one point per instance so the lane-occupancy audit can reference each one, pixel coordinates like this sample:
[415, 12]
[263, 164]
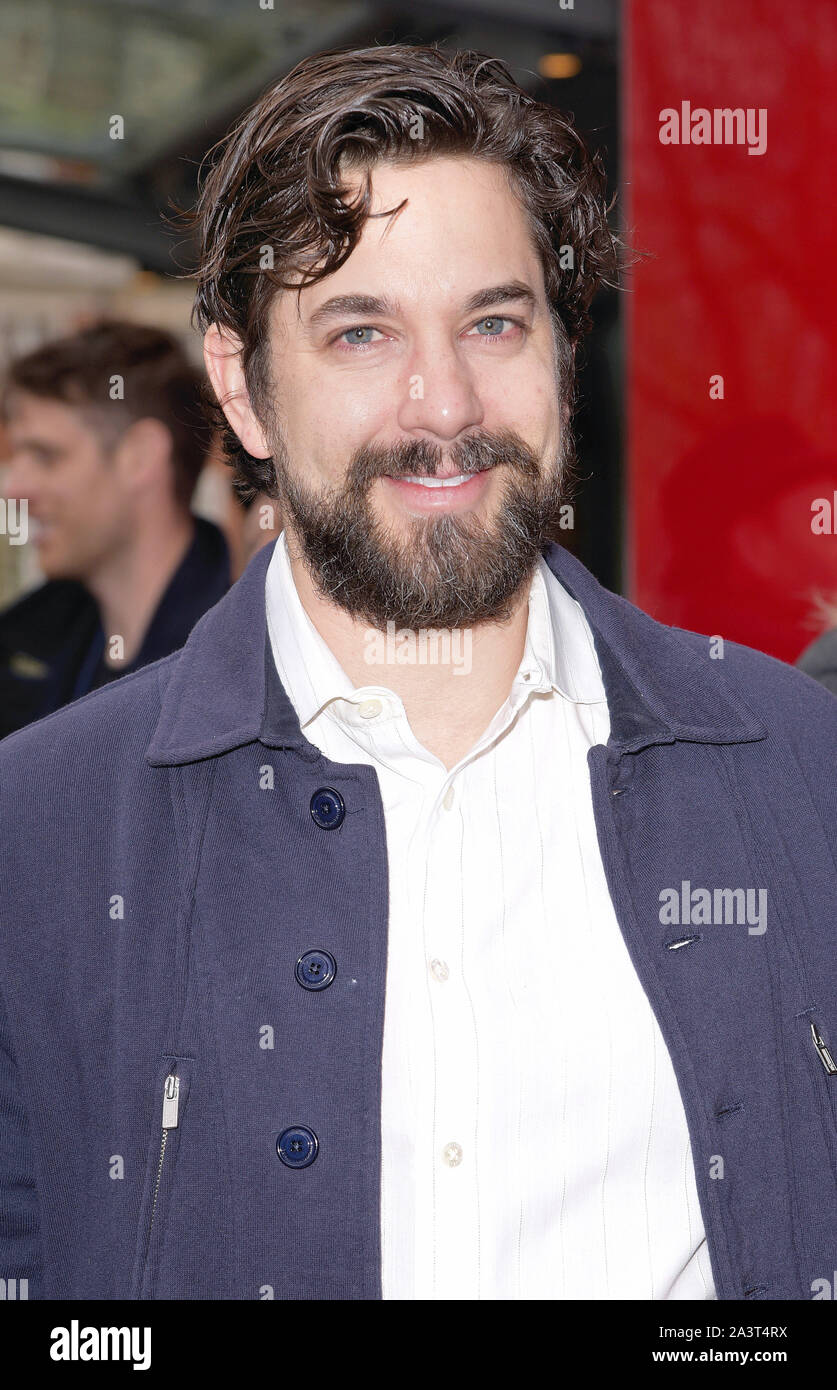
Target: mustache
[474, 454]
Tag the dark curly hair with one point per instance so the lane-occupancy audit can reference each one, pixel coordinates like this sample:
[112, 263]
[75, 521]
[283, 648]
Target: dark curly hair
[277, 180]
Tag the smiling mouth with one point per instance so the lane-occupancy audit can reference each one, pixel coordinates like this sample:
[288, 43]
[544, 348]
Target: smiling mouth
[444, 491]
[456, 481]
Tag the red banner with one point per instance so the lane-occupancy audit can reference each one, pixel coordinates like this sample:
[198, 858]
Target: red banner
[731, 124]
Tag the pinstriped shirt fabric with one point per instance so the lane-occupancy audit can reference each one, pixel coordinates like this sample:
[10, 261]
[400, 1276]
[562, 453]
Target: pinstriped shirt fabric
[534, 1143]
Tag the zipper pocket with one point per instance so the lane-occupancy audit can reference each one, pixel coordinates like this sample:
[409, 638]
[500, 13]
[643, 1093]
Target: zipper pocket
[820, 1057]
[171, 1107]
[822, 1051]
[170, 1094]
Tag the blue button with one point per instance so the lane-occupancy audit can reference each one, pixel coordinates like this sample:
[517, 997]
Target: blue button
[297, 1146]
[327, 808]
[316, 970]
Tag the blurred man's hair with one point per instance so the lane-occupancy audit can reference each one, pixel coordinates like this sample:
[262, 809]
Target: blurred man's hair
[276, 182]
[158, 381]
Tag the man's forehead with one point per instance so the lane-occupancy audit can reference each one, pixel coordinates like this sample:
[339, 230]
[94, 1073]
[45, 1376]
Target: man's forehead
[23, 407]
[456, 278]
[43, 415]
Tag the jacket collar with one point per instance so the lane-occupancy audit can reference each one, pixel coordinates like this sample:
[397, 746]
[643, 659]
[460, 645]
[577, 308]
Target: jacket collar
[224, 690]
[660, 685]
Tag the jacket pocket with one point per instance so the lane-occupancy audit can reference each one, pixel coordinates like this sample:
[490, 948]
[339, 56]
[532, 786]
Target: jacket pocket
[822, 1058]
[171, 1094]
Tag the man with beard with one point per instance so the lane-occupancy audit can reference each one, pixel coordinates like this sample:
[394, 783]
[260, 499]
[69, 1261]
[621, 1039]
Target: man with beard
[328, 979]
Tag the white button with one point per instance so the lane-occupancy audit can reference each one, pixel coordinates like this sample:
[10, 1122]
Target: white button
[439, 970]
[452, 1154]
[369, 709]
[447, 799]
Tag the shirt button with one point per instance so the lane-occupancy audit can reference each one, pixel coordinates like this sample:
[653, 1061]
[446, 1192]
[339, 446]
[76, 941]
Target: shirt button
[439, 970]
[327, 808]
[369, 709]
[452, 1154]
[447, 800]
[316, 969]
[297, 1146]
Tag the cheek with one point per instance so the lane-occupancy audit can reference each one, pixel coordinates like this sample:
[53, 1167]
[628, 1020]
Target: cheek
[360, 409]
[76, 488]
[326, 427]
[528, 403]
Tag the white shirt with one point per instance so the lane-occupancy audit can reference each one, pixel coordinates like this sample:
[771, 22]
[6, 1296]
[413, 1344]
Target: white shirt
[534, 1144]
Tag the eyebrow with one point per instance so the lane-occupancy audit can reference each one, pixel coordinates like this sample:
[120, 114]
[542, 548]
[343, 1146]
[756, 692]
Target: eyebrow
[369, 305]
[37, 446]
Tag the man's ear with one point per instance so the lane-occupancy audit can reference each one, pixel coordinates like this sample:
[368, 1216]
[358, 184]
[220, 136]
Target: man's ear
[222, 355]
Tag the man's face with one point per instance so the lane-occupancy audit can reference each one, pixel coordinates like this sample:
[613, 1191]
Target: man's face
[415, 415]
[78, 513]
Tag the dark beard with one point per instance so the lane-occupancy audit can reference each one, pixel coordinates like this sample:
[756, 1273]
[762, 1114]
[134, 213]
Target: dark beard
[447, 571]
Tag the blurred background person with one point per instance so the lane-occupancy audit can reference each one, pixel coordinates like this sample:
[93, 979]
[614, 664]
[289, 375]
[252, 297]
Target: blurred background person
[819, 660]
[106, 439]
[262, 523]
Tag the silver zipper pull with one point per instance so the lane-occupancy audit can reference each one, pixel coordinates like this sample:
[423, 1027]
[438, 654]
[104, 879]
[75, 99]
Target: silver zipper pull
[824, 1054]
[171, 1099]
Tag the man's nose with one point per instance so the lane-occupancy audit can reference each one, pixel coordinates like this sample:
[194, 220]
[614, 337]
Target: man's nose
[440, 396]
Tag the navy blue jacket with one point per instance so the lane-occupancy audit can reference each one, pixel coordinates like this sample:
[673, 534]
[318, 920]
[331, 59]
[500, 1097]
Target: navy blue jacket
[171, 846]
[52, 642]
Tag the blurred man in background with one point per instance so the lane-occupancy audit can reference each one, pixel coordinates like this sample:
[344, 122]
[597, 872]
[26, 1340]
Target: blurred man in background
[819, 660]
[262, 523]
[107, 442]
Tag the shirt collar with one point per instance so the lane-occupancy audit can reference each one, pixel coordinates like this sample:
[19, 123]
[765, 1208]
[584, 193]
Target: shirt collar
[307, 667]
[558, 656]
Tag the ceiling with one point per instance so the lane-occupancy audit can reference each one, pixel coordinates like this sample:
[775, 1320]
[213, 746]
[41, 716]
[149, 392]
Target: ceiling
[107, 106]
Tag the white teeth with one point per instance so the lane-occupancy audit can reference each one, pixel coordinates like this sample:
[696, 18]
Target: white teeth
[441, 482]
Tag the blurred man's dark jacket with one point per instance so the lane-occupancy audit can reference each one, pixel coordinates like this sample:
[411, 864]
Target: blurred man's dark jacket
[51, 641]
[820, 660]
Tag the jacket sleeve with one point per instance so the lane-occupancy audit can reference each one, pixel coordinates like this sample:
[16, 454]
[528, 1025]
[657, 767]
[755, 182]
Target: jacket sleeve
[20, 1236]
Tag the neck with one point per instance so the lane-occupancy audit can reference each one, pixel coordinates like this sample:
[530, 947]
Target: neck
[452, 695]
[129, 584]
